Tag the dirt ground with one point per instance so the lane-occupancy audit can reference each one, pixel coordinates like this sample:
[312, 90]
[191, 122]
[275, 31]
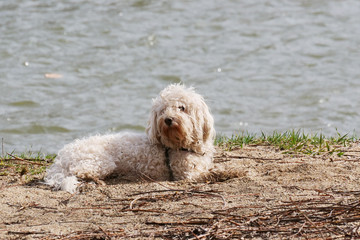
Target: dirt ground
[257, 192]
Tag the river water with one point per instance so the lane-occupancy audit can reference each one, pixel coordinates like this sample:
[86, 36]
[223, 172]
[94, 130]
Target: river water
[75, 68]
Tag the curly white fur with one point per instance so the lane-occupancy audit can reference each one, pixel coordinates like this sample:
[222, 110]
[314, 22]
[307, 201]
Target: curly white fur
[180, 130]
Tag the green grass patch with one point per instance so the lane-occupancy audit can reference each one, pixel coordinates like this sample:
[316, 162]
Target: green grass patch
[28, 165]
[290, 142]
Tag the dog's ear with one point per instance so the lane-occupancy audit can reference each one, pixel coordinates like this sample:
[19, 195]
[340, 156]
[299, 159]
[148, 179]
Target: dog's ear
[208, 125]
[151, 129]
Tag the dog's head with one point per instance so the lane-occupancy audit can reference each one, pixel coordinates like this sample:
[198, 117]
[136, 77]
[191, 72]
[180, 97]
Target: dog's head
[180, 119]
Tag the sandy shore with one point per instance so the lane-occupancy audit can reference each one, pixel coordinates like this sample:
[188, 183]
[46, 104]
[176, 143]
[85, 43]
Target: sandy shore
[258, 193]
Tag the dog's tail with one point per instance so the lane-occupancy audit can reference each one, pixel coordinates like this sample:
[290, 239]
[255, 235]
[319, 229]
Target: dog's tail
[57, 177]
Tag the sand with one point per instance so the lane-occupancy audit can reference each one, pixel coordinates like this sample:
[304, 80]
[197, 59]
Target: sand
[257, 192]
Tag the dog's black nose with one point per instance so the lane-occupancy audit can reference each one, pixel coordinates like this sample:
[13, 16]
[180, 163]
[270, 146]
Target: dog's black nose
[168, 121]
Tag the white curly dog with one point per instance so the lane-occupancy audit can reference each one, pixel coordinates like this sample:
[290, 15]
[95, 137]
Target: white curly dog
[178, 144]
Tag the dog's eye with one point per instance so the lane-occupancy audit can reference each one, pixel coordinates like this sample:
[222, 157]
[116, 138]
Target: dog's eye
[182, 108]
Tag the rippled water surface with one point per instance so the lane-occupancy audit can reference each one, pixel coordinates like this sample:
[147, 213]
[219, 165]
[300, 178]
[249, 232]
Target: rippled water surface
[75, 68]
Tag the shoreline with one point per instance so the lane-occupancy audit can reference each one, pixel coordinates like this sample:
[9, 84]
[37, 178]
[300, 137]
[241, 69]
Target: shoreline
[306, 189]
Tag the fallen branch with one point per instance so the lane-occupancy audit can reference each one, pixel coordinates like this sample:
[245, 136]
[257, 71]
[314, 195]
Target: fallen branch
[22, 160]
[196, 192]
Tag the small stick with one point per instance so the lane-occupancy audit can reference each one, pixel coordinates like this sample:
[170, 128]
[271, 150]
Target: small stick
[133, 201]
[300, 229]
[106, 234]
[23, 160]
[144, 210]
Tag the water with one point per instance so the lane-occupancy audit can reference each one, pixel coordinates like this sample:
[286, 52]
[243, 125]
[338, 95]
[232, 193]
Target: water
[74, 68]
